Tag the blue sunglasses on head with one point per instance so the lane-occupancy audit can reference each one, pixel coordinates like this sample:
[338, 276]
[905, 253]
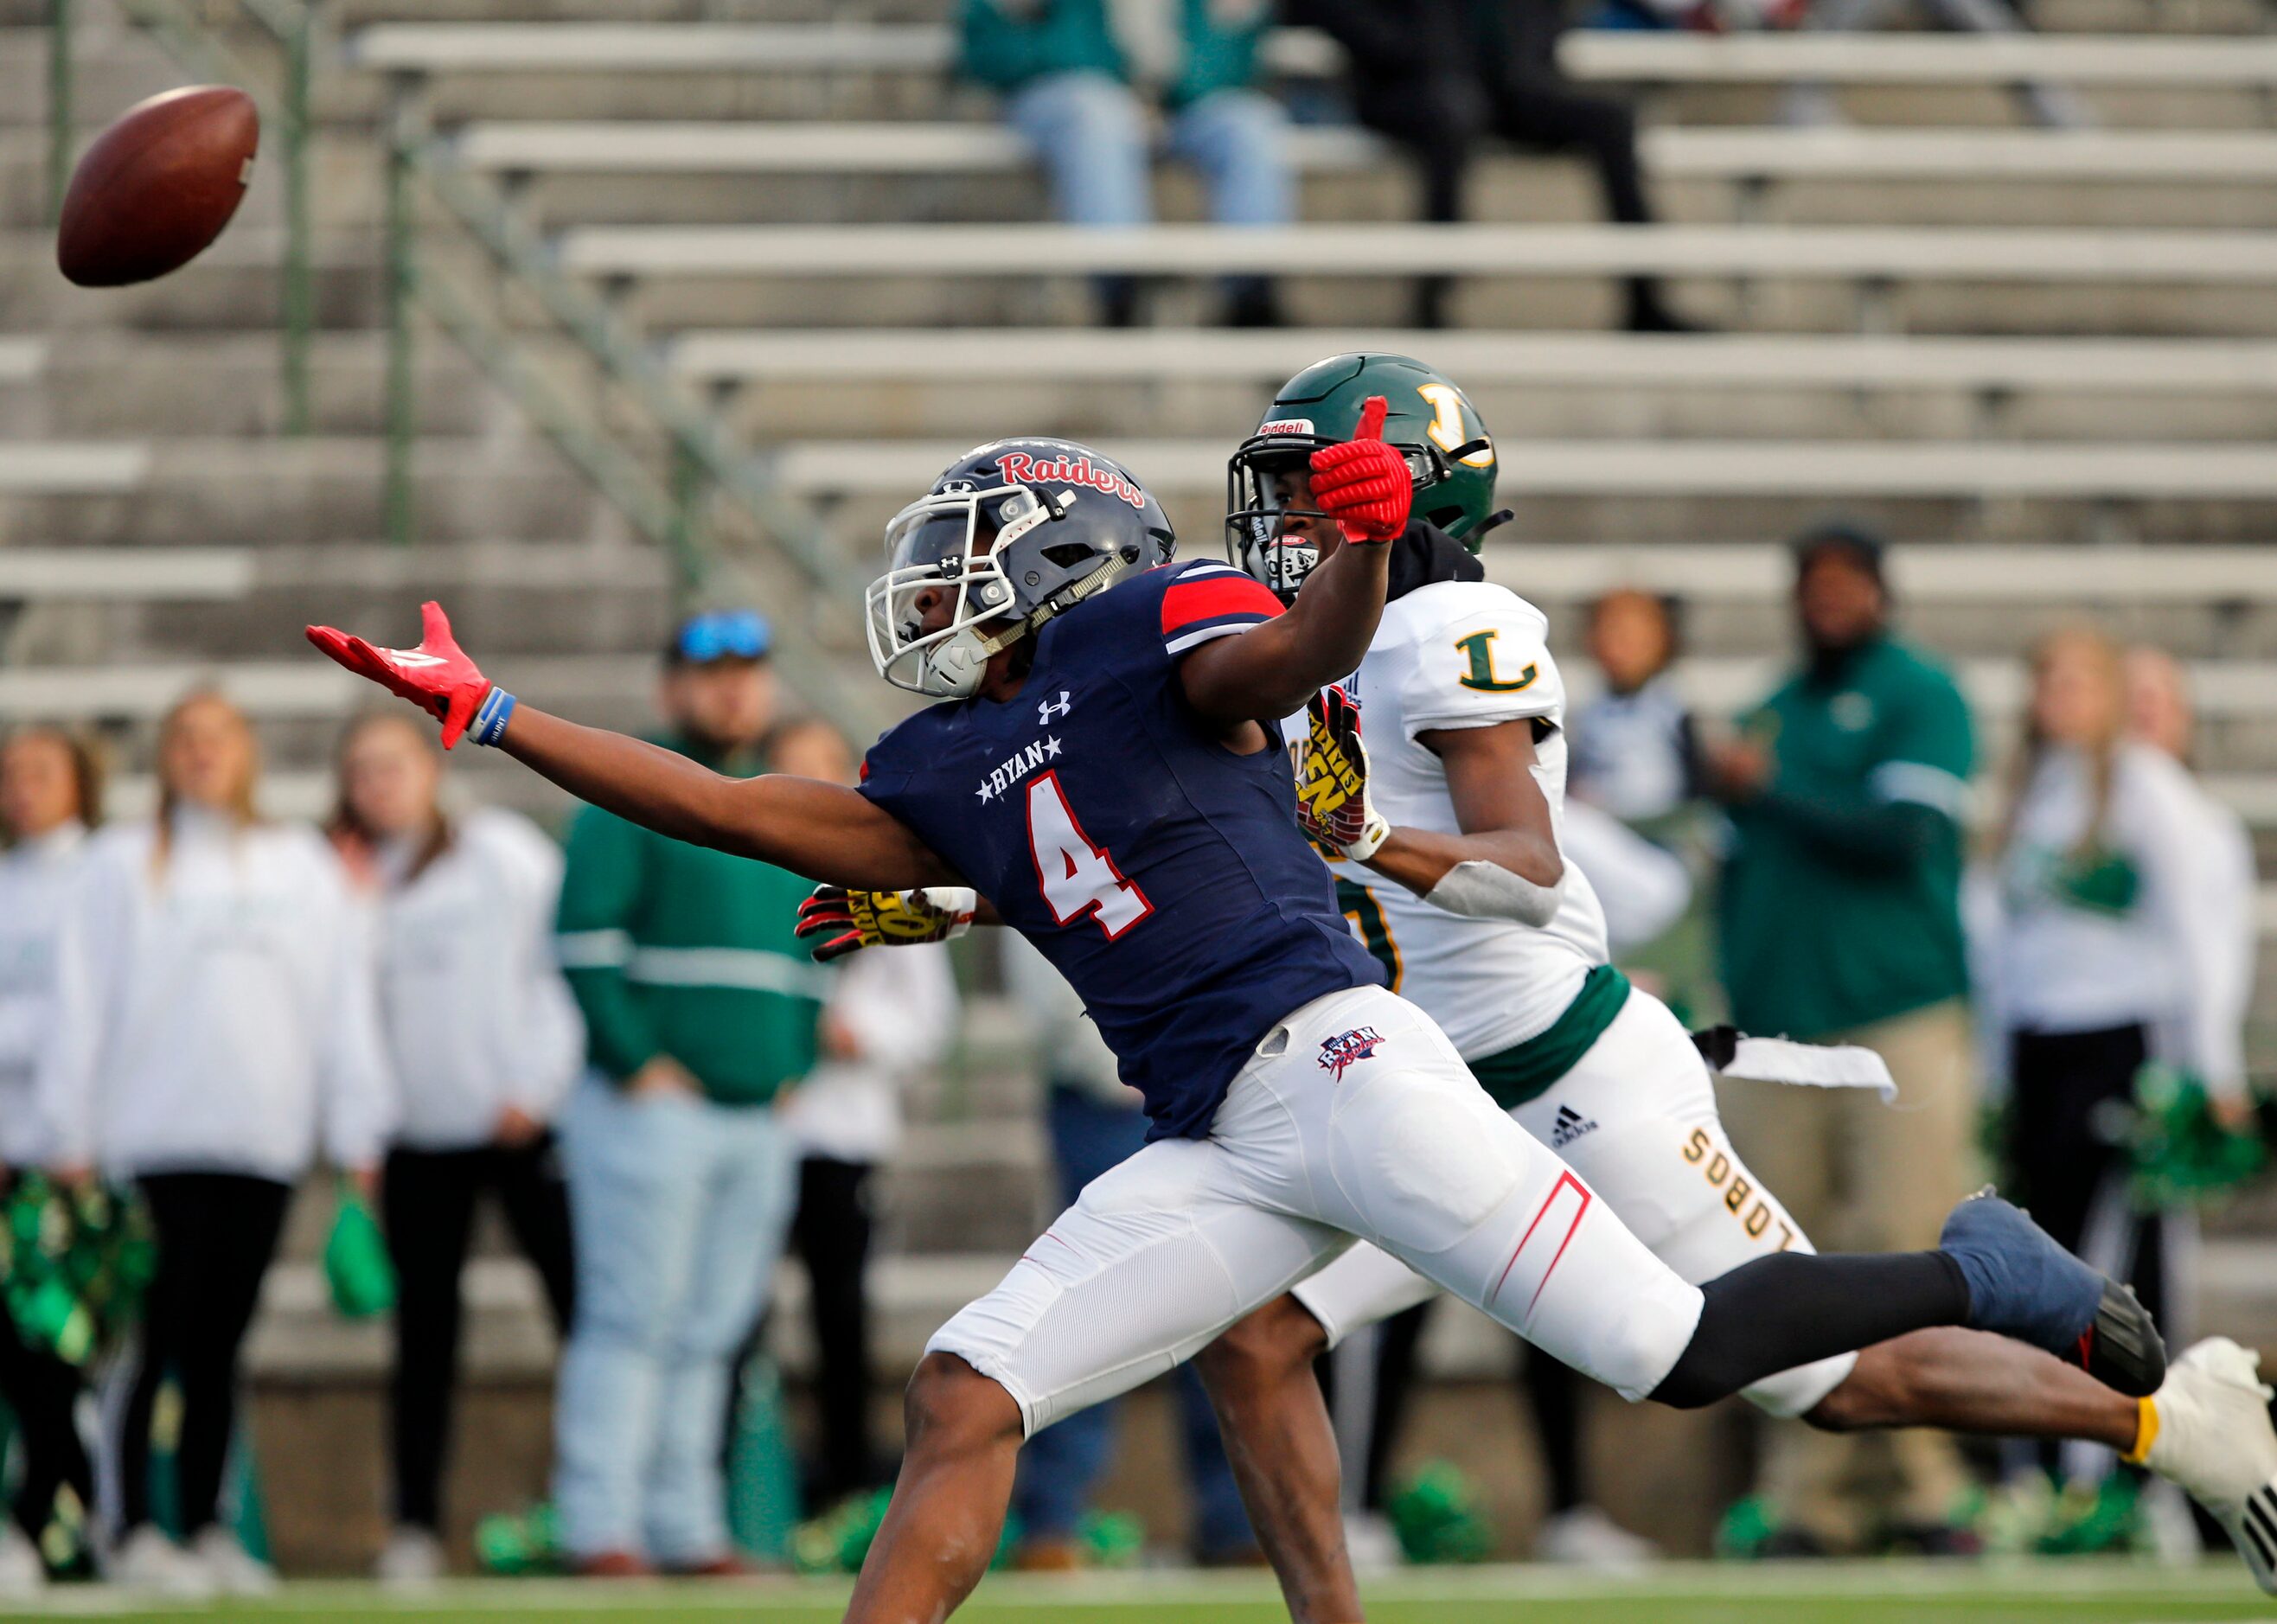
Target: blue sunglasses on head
[723, 634]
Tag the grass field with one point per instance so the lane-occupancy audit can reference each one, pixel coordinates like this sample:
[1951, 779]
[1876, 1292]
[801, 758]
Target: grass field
[1862, 1593]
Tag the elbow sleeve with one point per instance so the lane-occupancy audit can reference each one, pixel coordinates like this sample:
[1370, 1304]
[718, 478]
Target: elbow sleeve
[1485, 890]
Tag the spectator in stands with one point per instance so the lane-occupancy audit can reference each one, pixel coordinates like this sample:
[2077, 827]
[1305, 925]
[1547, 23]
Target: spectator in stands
[890, 1016]
[700, 1006]
[2159, 715]
[1634, 744]
[50, 794]
[1094, 1124]
[2107, 937]
[1840, 921]
[484, 1041]
[2056, 106]
[215, 1024]
[1437, 76]
[1077, 77]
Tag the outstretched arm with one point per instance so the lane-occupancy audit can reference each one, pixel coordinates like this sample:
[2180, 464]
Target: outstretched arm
[824, 831]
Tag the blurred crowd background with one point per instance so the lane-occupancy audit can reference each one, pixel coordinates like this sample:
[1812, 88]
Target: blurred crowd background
[408, 1172]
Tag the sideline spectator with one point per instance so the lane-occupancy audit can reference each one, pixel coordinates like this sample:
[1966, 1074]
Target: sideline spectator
[1839, 922]
[2105, 867]
[50, 794]
[890, 1016]
[214, 1022]
[1094, 1124]
[1634, 744]
[485, 1041]
[1076, 76]
[2160, 714]
[700, 1006]
[1437, 76]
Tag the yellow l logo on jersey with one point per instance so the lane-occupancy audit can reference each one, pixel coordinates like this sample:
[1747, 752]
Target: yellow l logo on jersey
[1478, 647]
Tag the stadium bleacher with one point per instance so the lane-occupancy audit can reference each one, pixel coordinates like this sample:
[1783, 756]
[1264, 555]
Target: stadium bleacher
[2057, 411]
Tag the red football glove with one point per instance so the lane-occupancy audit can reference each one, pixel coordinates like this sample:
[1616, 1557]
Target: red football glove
[1364, 485]
[437, 676]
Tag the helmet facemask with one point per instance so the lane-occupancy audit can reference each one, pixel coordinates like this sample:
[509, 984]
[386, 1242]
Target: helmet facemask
[948, 542]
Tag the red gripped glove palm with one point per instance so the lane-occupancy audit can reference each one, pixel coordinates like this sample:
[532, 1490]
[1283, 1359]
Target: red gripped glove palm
[1364, 483]
[437, 676]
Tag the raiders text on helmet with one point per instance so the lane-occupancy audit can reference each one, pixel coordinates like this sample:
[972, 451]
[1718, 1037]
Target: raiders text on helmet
[1011, 534]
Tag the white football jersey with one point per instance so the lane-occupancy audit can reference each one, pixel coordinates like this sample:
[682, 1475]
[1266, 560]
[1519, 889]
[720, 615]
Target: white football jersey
[1465, 654]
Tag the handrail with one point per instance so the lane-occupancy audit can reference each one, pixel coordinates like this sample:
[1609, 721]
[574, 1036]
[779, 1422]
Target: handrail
[292, 24]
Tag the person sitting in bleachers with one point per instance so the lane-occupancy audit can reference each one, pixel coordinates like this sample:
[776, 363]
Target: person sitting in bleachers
[1075, 75]
[1438, 76]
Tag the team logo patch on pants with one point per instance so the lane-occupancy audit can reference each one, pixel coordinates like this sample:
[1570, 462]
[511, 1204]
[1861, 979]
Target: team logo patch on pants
[1346, 1047]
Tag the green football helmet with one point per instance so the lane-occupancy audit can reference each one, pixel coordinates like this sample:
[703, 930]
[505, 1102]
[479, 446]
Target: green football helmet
[1431, 421]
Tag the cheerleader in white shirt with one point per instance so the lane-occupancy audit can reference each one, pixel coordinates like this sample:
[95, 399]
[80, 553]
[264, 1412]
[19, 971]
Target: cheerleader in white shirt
[51, 791]
[484, 1040]
[2212, 1015]
[2101, 938]
[214, 1027]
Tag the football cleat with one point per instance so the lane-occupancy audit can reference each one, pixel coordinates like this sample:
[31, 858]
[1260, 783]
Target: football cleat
[2022, 1284]
[2209, 1433]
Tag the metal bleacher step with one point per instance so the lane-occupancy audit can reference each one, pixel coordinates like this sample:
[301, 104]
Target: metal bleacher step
[1871, 254]
[1782, 468]
[1742, 156]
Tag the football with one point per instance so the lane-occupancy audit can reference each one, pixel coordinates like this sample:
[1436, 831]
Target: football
[157, 186]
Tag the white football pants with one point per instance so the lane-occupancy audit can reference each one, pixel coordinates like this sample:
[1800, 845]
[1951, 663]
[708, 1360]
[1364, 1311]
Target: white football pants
[1636, 1118]
[1355, 1117]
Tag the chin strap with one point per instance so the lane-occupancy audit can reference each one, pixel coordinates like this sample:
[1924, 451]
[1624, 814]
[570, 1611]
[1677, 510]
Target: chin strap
[1097, 582]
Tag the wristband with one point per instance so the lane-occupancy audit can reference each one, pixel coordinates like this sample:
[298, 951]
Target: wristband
[1372, 835]
[490, 720]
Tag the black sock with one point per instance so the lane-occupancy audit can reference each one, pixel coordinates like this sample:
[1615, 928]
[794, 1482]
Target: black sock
[1779, 1312]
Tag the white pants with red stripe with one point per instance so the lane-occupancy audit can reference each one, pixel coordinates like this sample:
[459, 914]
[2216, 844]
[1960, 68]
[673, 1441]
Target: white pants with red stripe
[1356, 1118]
[1635, 1117]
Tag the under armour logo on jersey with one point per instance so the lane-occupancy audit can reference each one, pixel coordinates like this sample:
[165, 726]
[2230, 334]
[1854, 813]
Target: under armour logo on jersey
[1047, 709]
[1570, 1125]
[1347, 1048]
[1016, 768]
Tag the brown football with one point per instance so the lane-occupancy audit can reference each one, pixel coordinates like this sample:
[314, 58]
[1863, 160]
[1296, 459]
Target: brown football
[157, 186]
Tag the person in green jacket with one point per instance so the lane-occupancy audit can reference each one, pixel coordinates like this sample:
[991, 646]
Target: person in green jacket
[700, 1007]
[1075, 75]
[1840, 921]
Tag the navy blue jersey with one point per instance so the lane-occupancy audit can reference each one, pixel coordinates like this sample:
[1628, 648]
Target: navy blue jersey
[1163, 874]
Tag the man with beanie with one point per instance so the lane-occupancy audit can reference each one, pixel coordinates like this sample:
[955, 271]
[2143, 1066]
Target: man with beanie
[1841, 923]
[701, 1006]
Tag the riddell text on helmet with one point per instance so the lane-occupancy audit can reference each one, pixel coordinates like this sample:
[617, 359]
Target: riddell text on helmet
[1021, 468]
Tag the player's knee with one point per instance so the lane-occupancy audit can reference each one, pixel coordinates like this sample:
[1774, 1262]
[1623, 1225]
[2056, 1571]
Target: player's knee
[1261, 1350]
[951, 1408]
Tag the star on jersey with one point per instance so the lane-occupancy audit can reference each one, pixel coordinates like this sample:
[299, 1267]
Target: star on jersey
[1017, 767]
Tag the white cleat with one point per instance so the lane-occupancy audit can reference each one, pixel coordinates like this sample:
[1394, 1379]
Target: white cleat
[2215, 1440]
[413, 1560]
[22, 1574]
[235, 1570]
[148, 1562]
[1585, 1538]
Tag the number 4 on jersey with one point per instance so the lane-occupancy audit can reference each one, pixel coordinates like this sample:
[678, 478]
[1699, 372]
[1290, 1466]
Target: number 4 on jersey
[1076, 877]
